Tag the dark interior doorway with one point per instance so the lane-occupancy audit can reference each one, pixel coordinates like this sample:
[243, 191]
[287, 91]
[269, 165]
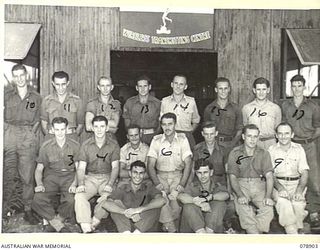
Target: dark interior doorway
[200, 69]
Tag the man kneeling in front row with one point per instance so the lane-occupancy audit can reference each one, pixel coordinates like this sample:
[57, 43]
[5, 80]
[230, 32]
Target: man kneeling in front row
[135, 206]
[204, 202]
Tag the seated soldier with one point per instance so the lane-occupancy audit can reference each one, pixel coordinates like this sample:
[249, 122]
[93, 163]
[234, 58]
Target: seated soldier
[132, 151]
[98, 169]
[251, 179]
[290, 179]
[135, 206]
[55, 173]
[204, 201]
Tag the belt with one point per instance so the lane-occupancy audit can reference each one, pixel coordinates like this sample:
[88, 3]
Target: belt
[303, 141]
[69, 131]
[288, 178]
[267, 138]
[224, 138]
[147, 131]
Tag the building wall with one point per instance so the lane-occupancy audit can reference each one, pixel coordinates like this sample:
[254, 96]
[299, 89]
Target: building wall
[248, 43]
[74, 39]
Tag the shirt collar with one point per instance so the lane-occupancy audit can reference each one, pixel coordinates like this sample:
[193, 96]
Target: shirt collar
[197, 183]
[93, 141]
[183, 98]
[128, 187]
[111, 99]
[163, 138]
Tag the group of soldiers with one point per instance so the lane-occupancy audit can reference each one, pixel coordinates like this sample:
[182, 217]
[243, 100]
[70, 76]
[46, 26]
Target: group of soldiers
[251, 160]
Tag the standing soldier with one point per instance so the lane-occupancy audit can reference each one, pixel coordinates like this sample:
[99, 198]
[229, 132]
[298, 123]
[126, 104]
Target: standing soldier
[169, 165]
[304, 116]
[143, 110]
[265, 114]
[62, 103]
[21, 138]
[184, 107]
[251, 179]
[104, 105]
[55, 174]
[225, 114]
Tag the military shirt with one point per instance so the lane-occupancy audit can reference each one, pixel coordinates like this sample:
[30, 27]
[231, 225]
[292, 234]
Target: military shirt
[217, 158]
[24, 112]
[71, 109]
[99, 160]
[57, 159]
[266, 117]
[131, 199]
[170, 156]
[289, 163]
[195, 188]
[228, 120]
[304, 119]
[186, 111]
[243, 166]
[144, 115]
[110, 110]
[129, 155]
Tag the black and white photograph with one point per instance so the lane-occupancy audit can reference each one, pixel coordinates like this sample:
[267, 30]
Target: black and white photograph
[170, 121]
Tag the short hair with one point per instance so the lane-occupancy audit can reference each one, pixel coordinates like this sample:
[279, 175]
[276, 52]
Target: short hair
[208, 124]
[250, 126]
[60, 74]
[104, 78]
[202, 163]
[59, 120]
[138, 164]
[261, 80]
[99, 118]
[169, 116]
[298, 78]
[19, 66]
[143, 78]
[284, 124]
[221, 79]
[133, 126]
[179, 75]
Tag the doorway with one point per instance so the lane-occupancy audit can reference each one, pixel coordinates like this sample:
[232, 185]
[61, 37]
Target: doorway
[200, 68]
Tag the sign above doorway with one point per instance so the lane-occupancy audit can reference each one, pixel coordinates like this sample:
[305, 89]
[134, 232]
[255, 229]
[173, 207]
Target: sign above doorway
[166, 30]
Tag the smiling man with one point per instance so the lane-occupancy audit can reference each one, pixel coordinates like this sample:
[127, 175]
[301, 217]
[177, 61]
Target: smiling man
[143, 110]
[169, 166]
[304, 116]
[183, 106]
[21, 139]
[291, 175]
[135, 206]
[104, 104]
[98, 169]
[251, 179]
[204, 201]
[263, 113]
[55, 174]
[132, 151]
[225, 114]
[62, 103]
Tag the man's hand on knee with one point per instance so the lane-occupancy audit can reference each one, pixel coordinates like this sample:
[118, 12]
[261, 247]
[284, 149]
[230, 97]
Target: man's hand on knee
[39, 189]
[243, 200]
[81, 189]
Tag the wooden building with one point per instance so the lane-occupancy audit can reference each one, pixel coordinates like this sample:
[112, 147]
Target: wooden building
[86, 42]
